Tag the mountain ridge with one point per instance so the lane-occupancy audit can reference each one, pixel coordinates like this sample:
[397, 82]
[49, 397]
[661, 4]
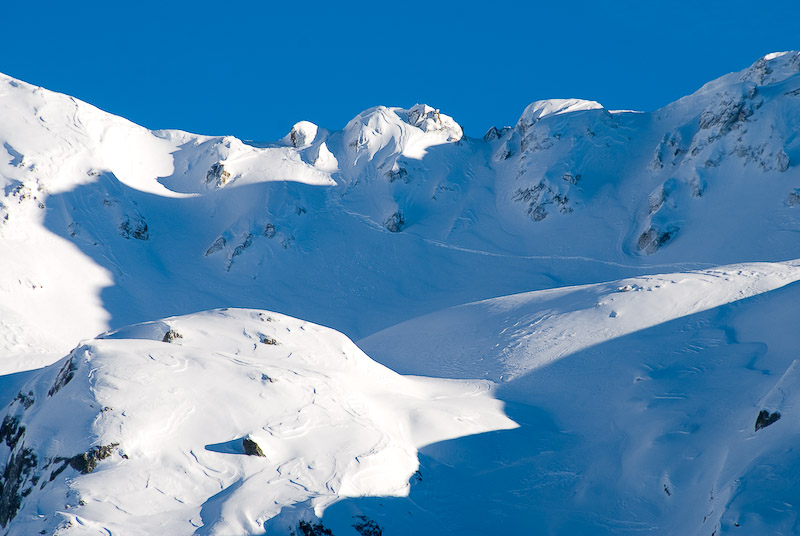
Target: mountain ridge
[611, 289]
[442, 194]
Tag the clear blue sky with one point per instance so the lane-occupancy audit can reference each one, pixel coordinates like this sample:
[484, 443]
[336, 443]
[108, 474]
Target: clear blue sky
[253, 69]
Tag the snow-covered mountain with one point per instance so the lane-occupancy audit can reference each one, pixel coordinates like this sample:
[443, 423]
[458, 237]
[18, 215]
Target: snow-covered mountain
[559, 258]
[654, 405]
[213, 422]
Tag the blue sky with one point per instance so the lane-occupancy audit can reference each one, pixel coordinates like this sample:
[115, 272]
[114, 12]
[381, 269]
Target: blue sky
[253, 69]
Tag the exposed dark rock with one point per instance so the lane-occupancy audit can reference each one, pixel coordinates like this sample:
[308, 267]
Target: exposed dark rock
[85, 463]
[218, 244]
[268, 340]
[218, 174]
[301, 135]
[17, 471]
[171, 335]
[495, 133]
[504, 153]
[396, 222]
[238, 250]
[315, 529]
[287, 241]
[57, 471]
[793, 199]
[251, 448]
[652, 239]
[11, 431]
[765, 418]
[269, 230]
[540, 195]
[397, 174]
[66, 373]
[136, 228]
[562, 201]
[293, 135]
[729, 112]
[538, 213]
[758, 72]
[530, 194]
[536, 142]
[660, 196]
[782, 161]
[367, 527]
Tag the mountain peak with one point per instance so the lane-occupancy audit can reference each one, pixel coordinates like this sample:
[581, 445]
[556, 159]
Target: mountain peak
[543, 108]
[772, 68]
[429, 119]
[302, 134]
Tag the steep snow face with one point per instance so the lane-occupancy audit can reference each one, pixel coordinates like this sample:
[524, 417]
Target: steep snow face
[214, 423]
[734, 135]
[56, 140]
[547, 165]
[677, 183]
[378, 138]
[504, 338]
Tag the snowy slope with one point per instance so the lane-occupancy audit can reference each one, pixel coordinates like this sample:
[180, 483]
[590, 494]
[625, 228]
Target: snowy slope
[145, 430]
[627, 277]
[638, 401]
[506, 337]
[398, 214]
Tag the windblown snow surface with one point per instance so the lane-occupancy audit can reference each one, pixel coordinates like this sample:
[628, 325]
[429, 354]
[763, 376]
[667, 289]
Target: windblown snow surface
[598, 309]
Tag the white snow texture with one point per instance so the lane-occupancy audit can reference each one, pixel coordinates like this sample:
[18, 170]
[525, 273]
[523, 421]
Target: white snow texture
[585, 323]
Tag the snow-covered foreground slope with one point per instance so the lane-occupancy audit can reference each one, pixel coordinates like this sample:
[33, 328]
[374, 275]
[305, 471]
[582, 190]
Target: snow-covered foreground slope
[638, 402]
[147, 430]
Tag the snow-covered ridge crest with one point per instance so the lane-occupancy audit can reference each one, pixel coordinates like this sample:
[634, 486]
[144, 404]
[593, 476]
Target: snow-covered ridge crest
[773, 68]
[204, 163]
[402, 132]
[270, 410]
[541, 327]
[58, 141]
[429, 119]
[770, 69]
[544, 108]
